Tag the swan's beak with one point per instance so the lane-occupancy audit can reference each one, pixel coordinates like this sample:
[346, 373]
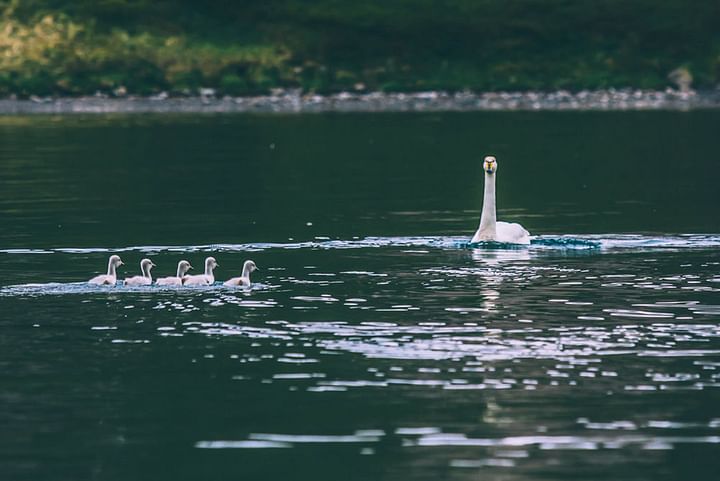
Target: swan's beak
[190, 268]
[153, 264]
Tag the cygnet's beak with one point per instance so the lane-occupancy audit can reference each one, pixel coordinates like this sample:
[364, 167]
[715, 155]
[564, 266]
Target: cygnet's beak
[190, 268]
[153, 264]
[121, 263]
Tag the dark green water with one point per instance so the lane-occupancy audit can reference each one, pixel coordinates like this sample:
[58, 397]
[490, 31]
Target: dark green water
[375, 344]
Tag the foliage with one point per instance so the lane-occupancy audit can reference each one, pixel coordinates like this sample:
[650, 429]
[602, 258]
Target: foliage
[145, 46]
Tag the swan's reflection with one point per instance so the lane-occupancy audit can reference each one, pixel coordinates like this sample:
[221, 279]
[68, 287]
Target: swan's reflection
[495, 257]
[490, 296]
[492, 275]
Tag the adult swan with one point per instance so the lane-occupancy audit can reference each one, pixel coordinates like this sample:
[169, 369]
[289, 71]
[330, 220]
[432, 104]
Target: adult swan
[490, 229]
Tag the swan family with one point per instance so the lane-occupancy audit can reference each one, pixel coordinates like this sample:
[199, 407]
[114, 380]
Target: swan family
[180, 279]
[489, 230]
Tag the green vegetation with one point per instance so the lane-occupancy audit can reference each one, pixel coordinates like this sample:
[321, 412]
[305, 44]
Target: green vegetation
[63, 47]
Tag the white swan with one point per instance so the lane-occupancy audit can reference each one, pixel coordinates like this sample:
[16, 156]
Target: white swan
[244, 279]
[145, 279]
[111, 277]
[203, 279]
[490, 229]
[183, 267]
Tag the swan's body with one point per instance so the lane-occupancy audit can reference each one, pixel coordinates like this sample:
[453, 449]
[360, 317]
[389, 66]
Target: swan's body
[244, 279]
[490, 229]
[145, 279]
[111, 277]
[203, 279]
[183, 267]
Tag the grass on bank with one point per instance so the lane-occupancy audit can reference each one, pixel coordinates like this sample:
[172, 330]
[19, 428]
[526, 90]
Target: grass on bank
[59, 47]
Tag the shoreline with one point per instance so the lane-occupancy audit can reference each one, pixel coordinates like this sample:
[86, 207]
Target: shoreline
[292, 101]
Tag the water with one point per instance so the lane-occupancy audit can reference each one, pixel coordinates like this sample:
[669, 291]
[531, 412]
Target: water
[376, 343]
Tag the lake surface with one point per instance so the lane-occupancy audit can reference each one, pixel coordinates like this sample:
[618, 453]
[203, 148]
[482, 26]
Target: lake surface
[375, 344]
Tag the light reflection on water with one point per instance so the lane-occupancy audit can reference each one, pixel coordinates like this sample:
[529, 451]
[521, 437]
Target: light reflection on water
[376, 344]
[568, 244]
[441, 320]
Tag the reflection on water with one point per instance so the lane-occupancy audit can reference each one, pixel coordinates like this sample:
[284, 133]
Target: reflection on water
[376, 343]
[533, 338]
[570, 244]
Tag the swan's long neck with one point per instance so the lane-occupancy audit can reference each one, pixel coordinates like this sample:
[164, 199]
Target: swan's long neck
[488, 219]
[146, 270]
[180, 271]
[111, 269]
[246, 271]
[208, 269]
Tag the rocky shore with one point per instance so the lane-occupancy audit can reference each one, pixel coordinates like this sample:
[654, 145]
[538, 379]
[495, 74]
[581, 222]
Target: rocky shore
[290, 101]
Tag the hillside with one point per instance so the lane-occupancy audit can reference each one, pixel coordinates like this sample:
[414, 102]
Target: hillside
[55, 47]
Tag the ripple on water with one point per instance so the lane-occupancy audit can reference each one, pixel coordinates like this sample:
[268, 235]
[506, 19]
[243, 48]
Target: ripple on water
[488, 322]
[434, 438]
[70, 288]
[538, 243]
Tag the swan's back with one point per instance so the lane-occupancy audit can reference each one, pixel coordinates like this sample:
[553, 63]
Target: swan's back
[198, 280]
[137, 281]
[512, 233]
[103, 280]
[169, 281]
[237, 281]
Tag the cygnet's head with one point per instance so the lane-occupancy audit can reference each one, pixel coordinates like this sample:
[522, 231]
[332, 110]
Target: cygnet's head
[146, 265]
[490, 164]
[183, 267]
[115, 261]
[249, 267]
[211, 263]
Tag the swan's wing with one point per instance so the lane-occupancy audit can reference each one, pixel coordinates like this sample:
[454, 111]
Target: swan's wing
[235, 281]
[199, 280]
[512, 233]
[100, 280]
[137, 281]
[169, 281]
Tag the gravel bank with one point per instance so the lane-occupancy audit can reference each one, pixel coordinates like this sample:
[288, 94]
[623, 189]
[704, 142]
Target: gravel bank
[287, 101]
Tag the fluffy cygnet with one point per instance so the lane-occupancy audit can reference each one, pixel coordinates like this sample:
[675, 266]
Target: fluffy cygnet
[183, 267]
[145, 279]
[111, 277]
[203, 279]
[244, 279]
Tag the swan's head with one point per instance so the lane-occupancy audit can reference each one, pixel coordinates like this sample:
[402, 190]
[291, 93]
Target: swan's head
[146, 265]
[490, 164]
[249, 267]
[210, 263]
[115, 261]
[183, 267]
